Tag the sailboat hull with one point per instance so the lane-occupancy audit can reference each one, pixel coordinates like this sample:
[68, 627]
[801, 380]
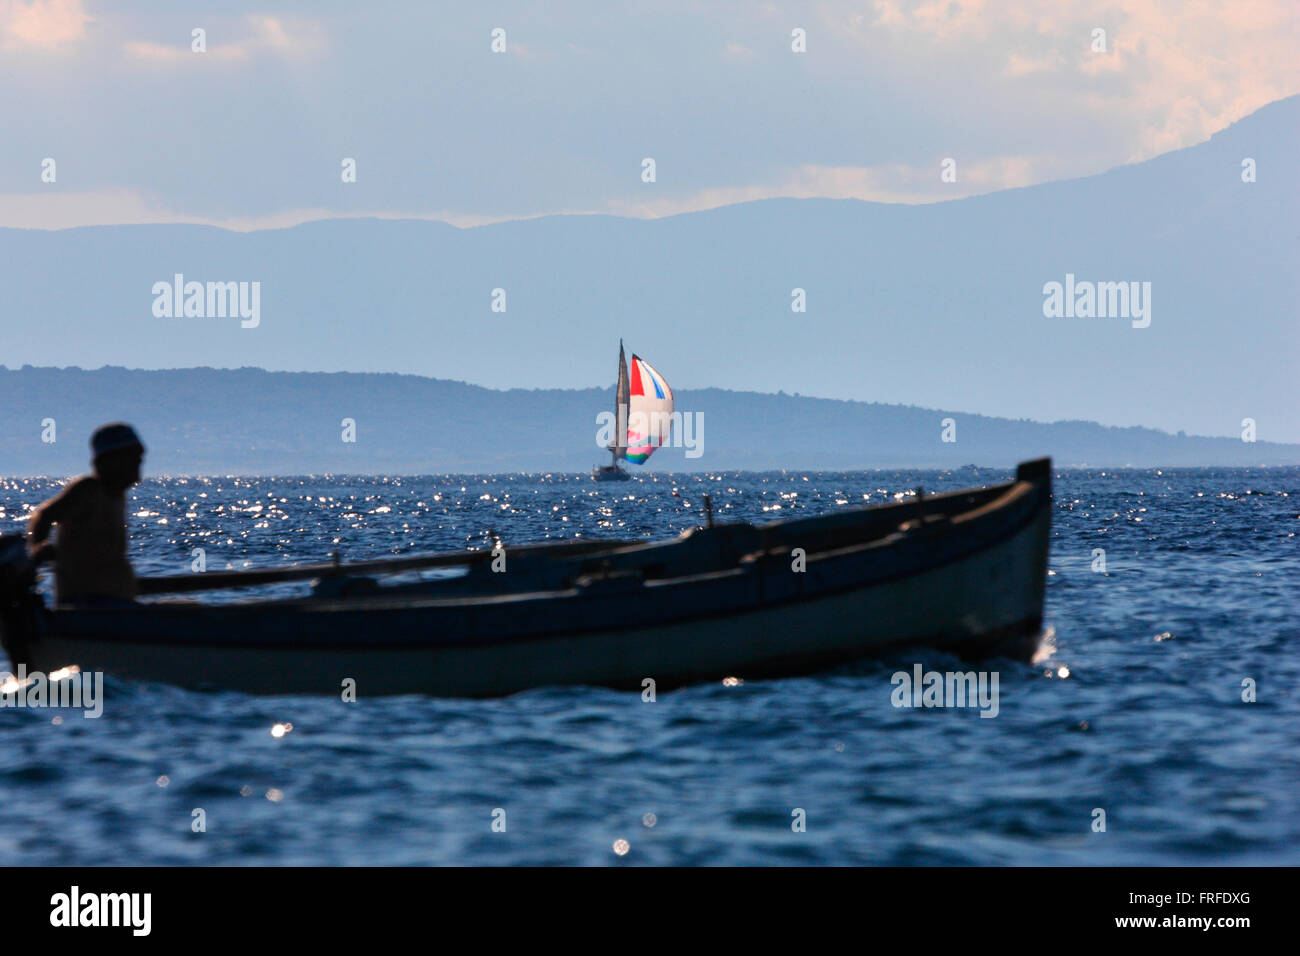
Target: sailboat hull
[971, 582]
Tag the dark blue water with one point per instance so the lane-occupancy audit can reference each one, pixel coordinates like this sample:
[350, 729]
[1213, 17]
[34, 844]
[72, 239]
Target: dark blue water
[1138, 713]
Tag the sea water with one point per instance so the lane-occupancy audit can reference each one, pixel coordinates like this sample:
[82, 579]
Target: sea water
[1163, 729]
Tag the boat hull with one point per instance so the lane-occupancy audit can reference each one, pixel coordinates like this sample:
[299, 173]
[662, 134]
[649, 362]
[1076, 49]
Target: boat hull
[972, 584]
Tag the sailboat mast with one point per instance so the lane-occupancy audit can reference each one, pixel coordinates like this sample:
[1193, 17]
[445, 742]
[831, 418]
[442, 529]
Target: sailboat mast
[622, 395]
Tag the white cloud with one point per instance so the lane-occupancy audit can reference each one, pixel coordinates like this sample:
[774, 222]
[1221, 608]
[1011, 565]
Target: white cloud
[888, 88]
[115, 207]
[260, 34]
[1018, 65]
[42, 24]
[893, 183]
[1183, 69]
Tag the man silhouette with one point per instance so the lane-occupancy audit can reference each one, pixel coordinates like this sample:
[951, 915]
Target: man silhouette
[91, 567]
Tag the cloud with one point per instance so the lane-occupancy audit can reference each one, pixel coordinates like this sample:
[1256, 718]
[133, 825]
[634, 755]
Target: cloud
[1183, 70]
[888, 183]
[260, 35]
[891, 183]
[161, 53]
[1018, 65]
[64, 210]
[887, 89]
[117, 207]
[42, 24]
[953, 19]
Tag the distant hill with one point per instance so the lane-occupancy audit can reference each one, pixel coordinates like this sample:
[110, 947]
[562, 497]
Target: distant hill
[250, 421]
[938, 305]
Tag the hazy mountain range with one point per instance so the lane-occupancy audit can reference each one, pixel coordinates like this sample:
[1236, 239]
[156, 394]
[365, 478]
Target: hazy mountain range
[211, 421]
[938, 305]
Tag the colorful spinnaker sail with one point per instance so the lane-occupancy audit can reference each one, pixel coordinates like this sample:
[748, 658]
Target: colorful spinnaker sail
[650, 411]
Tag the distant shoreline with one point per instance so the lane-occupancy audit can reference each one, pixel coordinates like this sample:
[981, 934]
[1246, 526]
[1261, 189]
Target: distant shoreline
[220, 422]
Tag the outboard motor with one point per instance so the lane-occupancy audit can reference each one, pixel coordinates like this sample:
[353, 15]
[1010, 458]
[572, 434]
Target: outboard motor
[20, 605]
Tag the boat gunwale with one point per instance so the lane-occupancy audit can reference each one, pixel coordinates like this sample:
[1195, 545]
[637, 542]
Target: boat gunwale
[562, 549]
[1015, 493]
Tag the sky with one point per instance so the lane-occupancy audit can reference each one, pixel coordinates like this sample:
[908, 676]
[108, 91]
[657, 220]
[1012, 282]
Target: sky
[253, 132]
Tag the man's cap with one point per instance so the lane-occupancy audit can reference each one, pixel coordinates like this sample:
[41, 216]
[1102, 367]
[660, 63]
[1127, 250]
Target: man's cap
[114, 437]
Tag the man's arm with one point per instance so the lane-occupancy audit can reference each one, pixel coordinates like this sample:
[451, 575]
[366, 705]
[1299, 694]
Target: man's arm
[58, 508]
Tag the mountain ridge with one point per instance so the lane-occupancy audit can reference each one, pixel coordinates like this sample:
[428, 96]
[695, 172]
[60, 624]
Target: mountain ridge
[254, 421]
[936, 305]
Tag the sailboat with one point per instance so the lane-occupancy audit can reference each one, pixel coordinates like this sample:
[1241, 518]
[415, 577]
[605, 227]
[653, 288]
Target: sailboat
[643, 409]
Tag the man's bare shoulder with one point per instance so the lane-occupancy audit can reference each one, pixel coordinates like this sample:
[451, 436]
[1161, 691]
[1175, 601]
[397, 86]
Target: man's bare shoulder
[82, 484]
[75, 493]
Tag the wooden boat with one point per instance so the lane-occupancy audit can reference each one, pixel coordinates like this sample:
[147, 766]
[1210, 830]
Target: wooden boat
[643, 409]
[963, 571]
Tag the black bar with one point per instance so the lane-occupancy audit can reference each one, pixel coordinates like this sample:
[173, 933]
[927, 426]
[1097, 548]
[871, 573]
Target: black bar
[717, 906]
